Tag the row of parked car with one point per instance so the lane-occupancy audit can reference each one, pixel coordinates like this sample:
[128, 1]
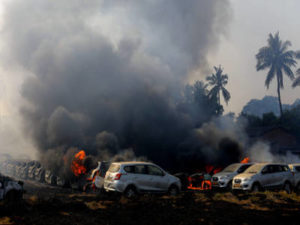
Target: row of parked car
[132, 178]
[31, 170]
[258, 177]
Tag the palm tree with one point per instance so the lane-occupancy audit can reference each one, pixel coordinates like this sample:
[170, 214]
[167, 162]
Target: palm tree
[278, 59]
[218, 81]
[297, 80]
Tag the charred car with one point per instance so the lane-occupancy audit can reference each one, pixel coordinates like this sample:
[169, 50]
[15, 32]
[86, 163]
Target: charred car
[39, 174]
[50, 178]
[33, 165]
[10, 190]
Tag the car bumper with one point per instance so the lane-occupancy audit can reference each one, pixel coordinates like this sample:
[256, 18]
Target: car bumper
[113, 186]
[220, 184]
[245, 186]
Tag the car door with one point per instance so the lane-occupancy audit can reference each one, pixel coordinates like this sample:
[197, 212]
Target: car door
[157, 178]
[266, 178]
[140, 177]
[296, 174]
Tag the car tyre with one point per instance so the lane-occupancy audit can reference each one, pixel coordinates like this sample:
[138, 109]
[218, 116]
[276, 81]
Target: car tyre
[173, 190]
[229, 186]
[287, 187]
[130, 192]
[256, 187]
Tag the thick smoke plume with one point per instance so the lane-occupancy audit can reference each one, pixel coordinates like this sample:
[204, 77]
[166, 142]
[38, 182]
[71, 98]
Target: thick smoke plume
[107, 75]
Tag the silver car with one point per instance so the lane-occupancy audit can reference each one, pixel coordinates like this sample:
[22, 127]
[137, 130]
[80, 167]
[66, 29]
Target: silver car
[263, 176]
[295, 168]
[224, 178]
[131, 178]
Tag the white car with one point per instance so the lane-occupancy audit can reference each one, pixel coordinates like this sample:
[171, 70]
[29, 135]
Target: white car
[131, 178]
[263, 176]
[224, 178]
[295, 168]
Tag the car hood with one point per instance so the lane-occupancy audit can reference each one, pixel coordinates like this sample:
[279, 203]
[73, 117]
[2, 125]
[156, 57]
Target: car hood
[223, 174]
[245, 175]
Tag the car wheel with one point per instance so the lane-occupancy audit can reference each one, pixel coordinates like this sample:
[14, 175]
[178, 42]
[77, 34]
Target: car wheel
[130, 192]
[297, 188]
[255, 187]
[229, 186]
[173, 190]
[287, 187]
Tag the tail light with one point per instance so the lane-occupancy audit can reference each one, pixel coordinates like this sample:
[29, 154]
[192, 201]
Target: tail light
[118, 176]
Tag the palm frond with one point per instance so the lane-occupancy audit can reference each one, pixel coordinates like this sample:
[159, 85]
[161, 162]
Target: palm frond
[296, 82]
[288, 71]
[226, 95]
[270, 76]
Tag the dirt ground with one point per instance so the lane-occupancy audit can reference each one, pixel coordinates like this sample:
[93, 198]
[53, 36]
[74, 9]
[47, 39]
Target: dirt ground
[51, 205]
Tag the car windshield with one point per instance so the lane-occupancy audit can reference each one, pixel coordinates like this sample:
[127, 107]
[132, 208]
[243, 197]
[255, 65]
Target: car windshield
[254, 169]
[114, 168]
[232, 168]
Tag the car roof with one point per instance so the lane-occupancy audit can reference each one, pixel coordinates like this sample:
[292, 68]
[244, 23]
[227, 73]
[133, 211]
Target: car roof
[294, 164]
[133, 163]
[269, 163]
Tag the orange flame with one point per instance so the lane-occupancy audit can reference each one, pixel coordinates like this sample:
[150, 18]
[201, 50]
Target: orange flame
[205, 184]
[246, 160]
[77, 164]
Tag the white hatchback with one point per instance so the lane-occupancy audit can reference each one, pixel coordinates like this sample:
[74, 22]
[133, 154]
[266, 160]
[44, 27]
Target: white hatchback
[131, 178]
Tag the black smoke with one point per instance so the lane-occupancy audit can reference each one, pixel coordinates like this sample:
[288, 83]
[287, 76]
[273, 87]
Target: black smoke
[107, 76]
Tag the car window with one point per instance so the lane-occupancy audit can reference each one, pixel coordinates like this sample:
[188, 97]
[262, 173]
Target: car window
[285, 168]
[297, 168]
[153, 170]
[277, 168]
[129, 169]
[114, 168]
[243, 168]
[266, 169]
[140, 169]
[231, 168]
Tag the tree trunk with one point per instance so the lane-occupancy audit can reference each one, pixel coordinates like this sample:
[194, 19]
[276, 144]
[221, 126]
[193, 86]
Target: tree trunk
[279, 98]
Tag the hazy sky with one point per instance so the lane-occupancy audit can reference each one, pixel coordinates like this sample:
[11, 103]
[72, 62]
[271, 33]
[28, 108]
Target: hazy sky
[251, 22]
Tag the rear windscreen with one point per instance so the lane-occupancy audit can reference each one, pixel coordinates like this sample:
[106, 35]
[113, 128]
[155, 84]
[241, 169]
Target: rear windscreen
[114, 168]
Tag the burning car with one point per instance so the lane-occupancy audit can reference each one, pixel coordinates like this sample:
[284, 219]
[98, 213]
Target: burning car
[224, 178]
[10, 190]
[96, 179]
[201, 181]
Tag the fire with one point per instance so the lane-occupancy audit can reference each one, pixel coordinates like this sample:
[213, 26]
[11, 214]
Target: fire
[77, 164]
[246, 160]
[205, 183]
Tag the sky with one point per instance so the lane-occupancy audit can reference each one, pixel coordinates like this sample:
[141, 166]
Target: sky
[250, 22]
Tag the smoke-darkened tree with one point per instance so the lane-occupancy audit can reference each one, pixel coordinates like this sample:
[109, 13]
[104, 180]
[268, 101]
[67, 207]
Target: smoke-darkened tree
[278, 59]
[218, 81]
[198, 104]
